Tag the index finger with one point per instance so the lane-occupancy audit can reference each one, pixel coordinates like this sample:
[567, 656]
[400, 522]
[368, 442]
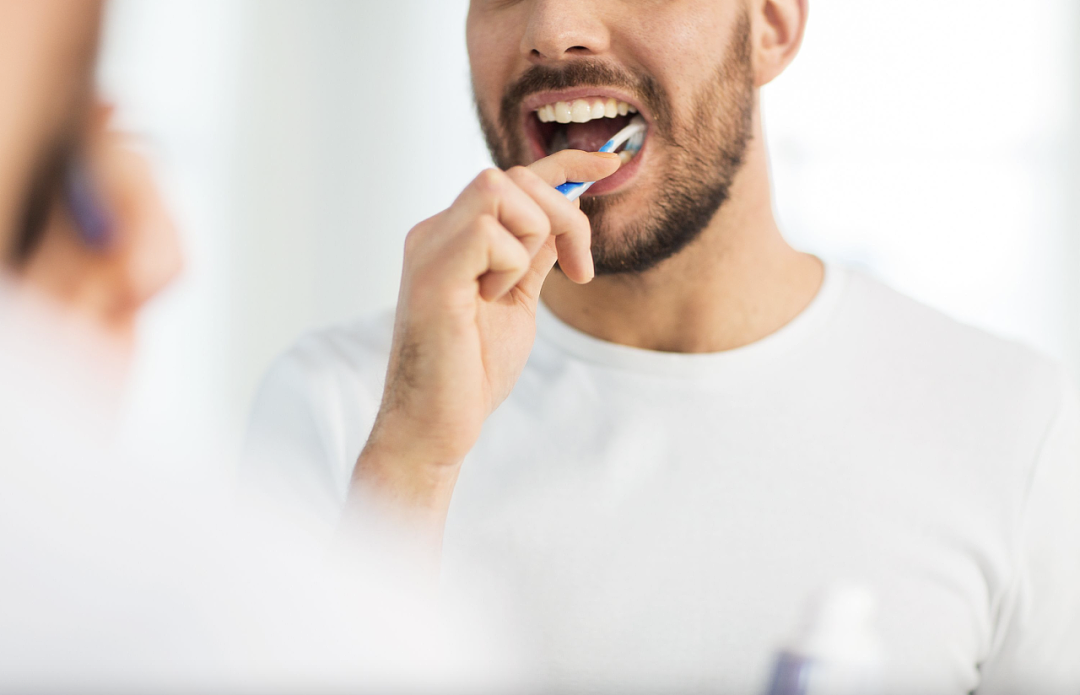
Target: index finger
[575, 165]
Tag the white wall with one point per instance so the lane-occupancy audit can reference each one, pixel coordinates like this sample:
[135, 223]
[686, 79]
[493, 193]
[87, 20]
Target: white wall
[356, 123]
[934, 143]
[171, 69]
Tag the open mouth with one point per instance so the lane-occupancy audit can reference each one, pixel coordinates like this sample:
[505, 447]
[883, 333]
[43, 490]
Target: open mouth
[581, 124]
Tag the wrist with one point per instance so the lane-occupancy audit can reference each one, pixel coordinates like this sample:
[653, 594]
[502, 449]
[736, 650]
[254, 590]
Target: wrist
[397, 436]
[404, 473]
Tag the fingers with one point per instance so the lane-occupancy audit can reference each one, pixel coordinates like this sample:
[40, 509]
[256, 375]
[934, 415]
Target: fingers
[507, 259]
[542, 263]
[109, 282]
[493, 193]
[568, 223]
[151, 244]
[575, 165]
[515, 222]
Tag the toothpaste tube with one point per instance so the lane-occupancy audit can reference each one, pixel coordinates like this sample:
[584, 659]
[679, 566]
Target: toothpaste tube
[837, 652]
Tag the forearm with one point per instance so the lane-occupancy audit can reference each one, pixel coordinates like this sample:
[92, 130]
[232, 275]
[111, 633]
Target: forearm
[397, 504]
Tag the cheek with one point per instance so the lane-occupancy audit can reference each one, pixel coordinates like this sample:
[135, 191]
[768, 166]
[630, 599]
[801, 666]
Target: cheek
[680, 43]
[492, 60]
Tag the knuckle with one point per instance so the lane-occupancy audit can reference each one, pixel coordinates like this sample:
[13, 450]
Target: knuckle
[522, 258]
[481, 230]
[414, 240]
[543, 225]
[515, 260]
[486, 224]
[518, 173]
[489, 181]
[563, 157]
[418, 235]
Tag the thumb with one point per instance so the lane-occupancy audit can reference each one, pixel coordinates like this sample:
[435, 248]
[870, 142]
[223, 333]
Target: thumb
[541, 265]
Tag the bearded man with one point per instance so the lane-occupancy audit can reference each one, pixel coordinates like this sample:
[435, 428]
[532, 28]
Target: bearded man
[659, 427]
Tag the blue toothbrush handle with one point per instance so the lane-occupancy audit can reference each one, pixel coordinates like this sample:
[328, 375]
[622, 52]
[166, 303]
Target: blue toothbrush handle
[573, 189]
[93, 219]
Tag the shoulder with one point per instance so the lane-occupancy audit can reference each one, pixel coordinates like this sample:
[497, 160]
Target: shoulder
[327, 386]
[356, 345]
[920, 361]
[349, 354]
[921, 342]
[313, 411]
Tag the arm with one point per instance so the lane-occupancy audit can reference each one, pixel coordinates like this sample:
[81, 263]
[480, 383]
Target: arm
[464, 327]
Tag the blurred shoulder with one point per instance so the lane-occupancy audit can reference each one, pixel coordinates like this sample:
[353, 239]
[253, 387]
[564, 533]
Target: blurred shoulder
[930, 351]
[346, 360]
[357, 344]
[314, 410]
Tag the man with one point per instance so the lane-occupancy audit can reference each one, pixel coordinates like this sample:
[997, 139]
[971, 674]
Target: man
[121, 570]
[659, 448]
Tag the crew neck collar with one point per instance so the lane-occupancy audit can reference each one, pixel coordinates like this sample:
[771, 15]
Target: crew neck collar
[677, 364]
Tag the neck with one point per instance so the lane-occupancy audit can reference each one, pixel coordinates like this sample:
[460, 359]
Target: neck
[736, 283]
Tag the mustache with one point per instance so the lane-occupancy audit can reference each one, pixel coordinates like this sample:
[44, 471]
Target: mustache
[584, 73]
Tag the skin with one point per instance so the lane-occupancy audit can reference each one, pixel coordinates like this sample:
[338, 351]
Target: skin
[47, 51]
[44, 47]
[474, 273]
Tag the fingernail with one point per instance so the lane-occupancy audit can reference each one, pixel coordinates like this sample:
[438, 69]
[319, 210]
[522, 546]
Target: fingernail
[608, 155]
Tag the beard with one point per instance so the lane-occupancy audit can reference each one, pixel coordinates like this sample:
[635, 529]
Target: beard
[706, 149]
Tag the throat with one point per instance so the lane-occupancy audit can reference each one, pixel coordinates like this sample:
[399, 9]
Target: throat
[735, 305]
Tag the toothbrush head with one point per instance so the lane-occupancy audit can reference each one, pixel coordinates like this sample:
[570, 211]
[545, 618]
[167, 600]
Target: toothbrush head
[637, 139]
[633, 135]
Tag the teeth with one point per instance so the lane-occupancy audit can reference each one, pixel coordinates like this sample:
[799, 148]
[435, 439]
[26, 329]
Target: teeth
[580, 112]
[562, 112]
[583, 110]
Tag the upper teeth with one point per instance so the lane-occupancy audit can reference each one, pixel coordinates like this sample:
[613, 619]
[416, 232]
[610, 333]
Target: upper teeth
[583, 110]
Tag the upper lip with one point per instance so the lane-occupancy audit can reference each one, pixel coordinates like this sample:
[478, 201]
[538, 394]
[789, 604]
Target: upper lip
[535, 101]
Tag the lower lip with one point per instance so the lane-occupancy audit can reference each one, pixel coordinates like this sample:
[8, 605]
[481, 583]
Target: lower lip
[620, 178]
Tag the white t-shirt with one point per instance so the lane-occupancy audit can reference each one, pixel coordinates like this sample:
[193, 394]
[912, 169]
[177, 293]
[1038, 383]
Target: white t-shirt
[656, 521]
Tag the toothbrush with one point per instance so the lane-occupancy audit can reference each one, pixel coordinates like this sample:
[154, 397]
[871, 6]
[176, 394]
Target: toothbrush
[93, 219]
[634, 137]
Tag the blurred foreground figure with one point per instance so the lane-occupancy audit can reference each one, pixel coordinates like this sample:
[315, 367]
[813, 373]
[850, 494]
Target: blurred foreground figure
[125, 571]
[665, 443]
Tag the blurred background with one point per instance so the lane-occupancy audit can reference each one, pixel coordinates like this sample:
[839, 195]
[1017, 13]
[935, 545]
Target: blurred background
[934, 144]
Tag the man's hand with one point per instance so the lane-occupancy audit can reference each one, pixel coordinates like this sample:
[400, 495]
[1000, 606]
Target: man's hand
[105, 284]
[465, 324]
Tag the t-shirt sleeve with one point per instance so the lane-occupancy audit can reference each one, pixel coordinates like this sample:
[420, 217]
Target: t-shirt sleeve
[309, 421]
[1040, 650]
